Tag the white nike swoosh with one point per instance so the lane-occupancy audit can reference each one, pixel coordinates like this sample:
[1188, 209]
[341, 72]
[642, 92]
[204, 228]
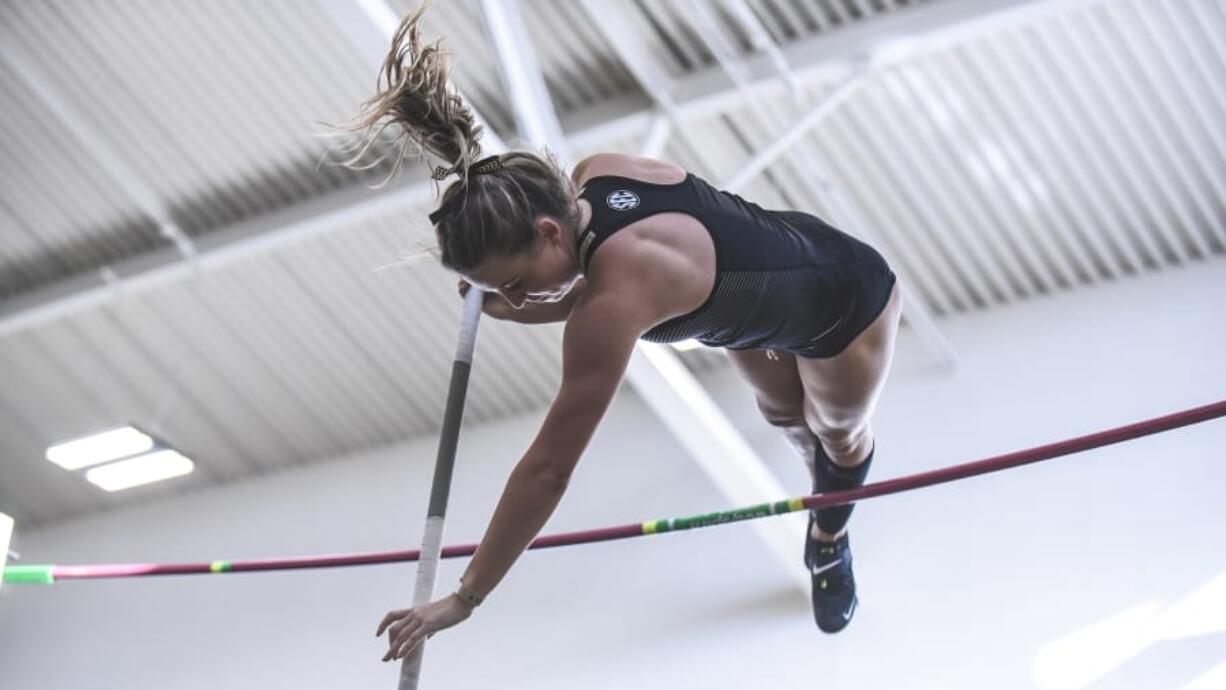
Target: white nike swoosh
[828, 566]
[849, 611]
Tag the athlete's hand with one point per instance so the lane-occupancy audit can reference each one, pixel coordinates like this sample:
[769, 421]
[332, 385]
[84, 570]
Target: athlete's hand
[406, 628]
[492, 304]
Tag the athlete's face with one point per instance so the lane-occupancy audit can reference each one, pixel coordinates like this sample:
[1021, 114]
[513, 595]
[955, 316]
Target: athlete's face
[543, 273]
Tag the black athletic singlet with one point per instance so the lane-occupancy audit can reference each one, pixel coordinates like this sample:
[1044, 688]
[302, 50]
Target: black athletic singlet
[783, 280]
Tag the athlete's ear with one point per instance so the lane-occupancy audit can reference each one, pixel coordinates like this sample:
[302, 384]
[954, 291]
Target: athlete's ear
[548, 230]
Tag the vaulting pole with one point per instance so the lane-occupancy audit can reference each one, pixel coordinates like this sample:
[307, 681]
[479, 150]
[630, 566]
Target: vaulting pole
[432, 539]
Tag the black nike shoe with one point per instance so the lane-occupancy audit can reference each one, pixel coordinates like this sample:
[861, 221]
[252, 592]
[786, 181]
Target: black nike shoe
[834, 586]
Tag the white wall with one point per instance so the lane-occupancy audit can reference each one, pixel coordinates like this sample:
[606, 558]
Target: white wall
[962, 585]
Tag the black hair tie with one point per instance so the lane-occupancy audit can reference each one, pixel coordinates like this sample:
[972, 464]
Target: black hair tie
[485, 166]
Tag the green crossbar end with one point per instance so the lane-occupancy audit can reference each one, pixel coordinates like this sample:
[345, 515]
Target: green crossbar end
[29, 575]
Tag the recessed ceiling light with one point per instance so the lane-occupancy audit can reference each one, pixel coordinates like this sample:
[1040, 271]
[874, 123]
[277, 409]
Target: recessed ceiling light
[100, 448]
[145, 469]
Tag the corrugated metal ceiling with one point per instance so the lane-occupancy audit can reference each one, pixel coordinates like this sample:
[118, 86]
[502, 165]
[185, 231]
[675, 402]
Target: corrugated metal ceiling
[1075, 145]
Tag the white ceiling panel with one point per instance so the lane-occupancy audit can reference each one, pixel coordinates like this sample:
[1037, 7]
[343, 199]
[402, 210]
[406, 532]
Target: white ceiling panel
[1054, 147]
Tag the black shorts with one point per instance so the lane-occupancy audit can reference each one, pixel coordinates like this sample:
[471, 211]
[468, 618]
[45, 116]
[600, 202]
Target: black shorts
[869, 282]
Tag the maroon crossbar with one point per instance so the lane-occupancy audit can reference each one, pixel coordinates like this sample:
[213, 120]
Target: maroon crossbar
[889, 486]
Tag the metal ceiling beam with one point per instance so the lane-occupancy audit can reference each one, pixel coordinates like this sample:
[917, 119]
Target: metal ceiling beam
[791, 141]
[368, 28]
[761, 40]
[657, 136]
[669, 389]
[94, 144]
[320, 216]
[802, 125]
[655, 372]
[525, 82]
[884, 40]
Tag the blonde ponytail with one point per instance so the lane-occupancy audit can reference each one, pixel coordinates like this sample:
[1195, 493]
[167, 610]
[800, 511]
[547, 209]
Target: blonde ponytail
[414, 95]
[491, 209]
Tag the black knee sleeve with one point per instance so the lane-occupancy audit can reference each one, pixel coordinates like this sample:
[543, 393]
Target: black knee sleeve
[831, 477]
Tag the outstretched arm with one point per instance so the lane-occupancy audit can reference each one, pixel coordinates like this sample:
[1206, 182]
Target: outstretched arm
[597, 344]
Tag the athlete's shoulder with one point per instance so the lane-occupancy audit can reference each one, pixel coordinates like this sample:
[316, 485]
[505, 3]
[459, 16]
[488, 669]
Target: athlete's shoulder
[625, 165]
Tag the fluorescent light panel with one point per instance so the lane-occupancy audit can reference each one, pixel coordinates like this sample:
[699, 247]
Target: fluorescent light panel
[100, 448]
[145, 469]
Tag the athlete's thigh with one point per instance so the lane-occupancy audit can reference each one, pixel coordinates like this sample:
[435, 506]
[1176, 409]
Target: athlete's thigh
[841, 391]
[775, 381]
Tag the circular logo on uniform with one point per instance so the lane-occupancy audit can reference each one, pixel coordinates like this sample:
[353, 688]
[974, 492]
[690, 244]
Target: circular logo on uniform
[623, 200]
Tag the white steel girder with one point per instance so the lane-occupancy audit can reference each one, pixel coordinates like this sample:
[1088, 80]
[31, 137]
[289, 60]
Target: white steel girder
[117, 169]
[655, 371]
[673, 393]
[791, 141]
[368, 27]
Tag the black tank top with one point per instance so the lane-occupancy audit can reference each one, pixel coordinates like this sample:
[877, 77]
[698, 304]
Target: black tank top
[783, 280]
